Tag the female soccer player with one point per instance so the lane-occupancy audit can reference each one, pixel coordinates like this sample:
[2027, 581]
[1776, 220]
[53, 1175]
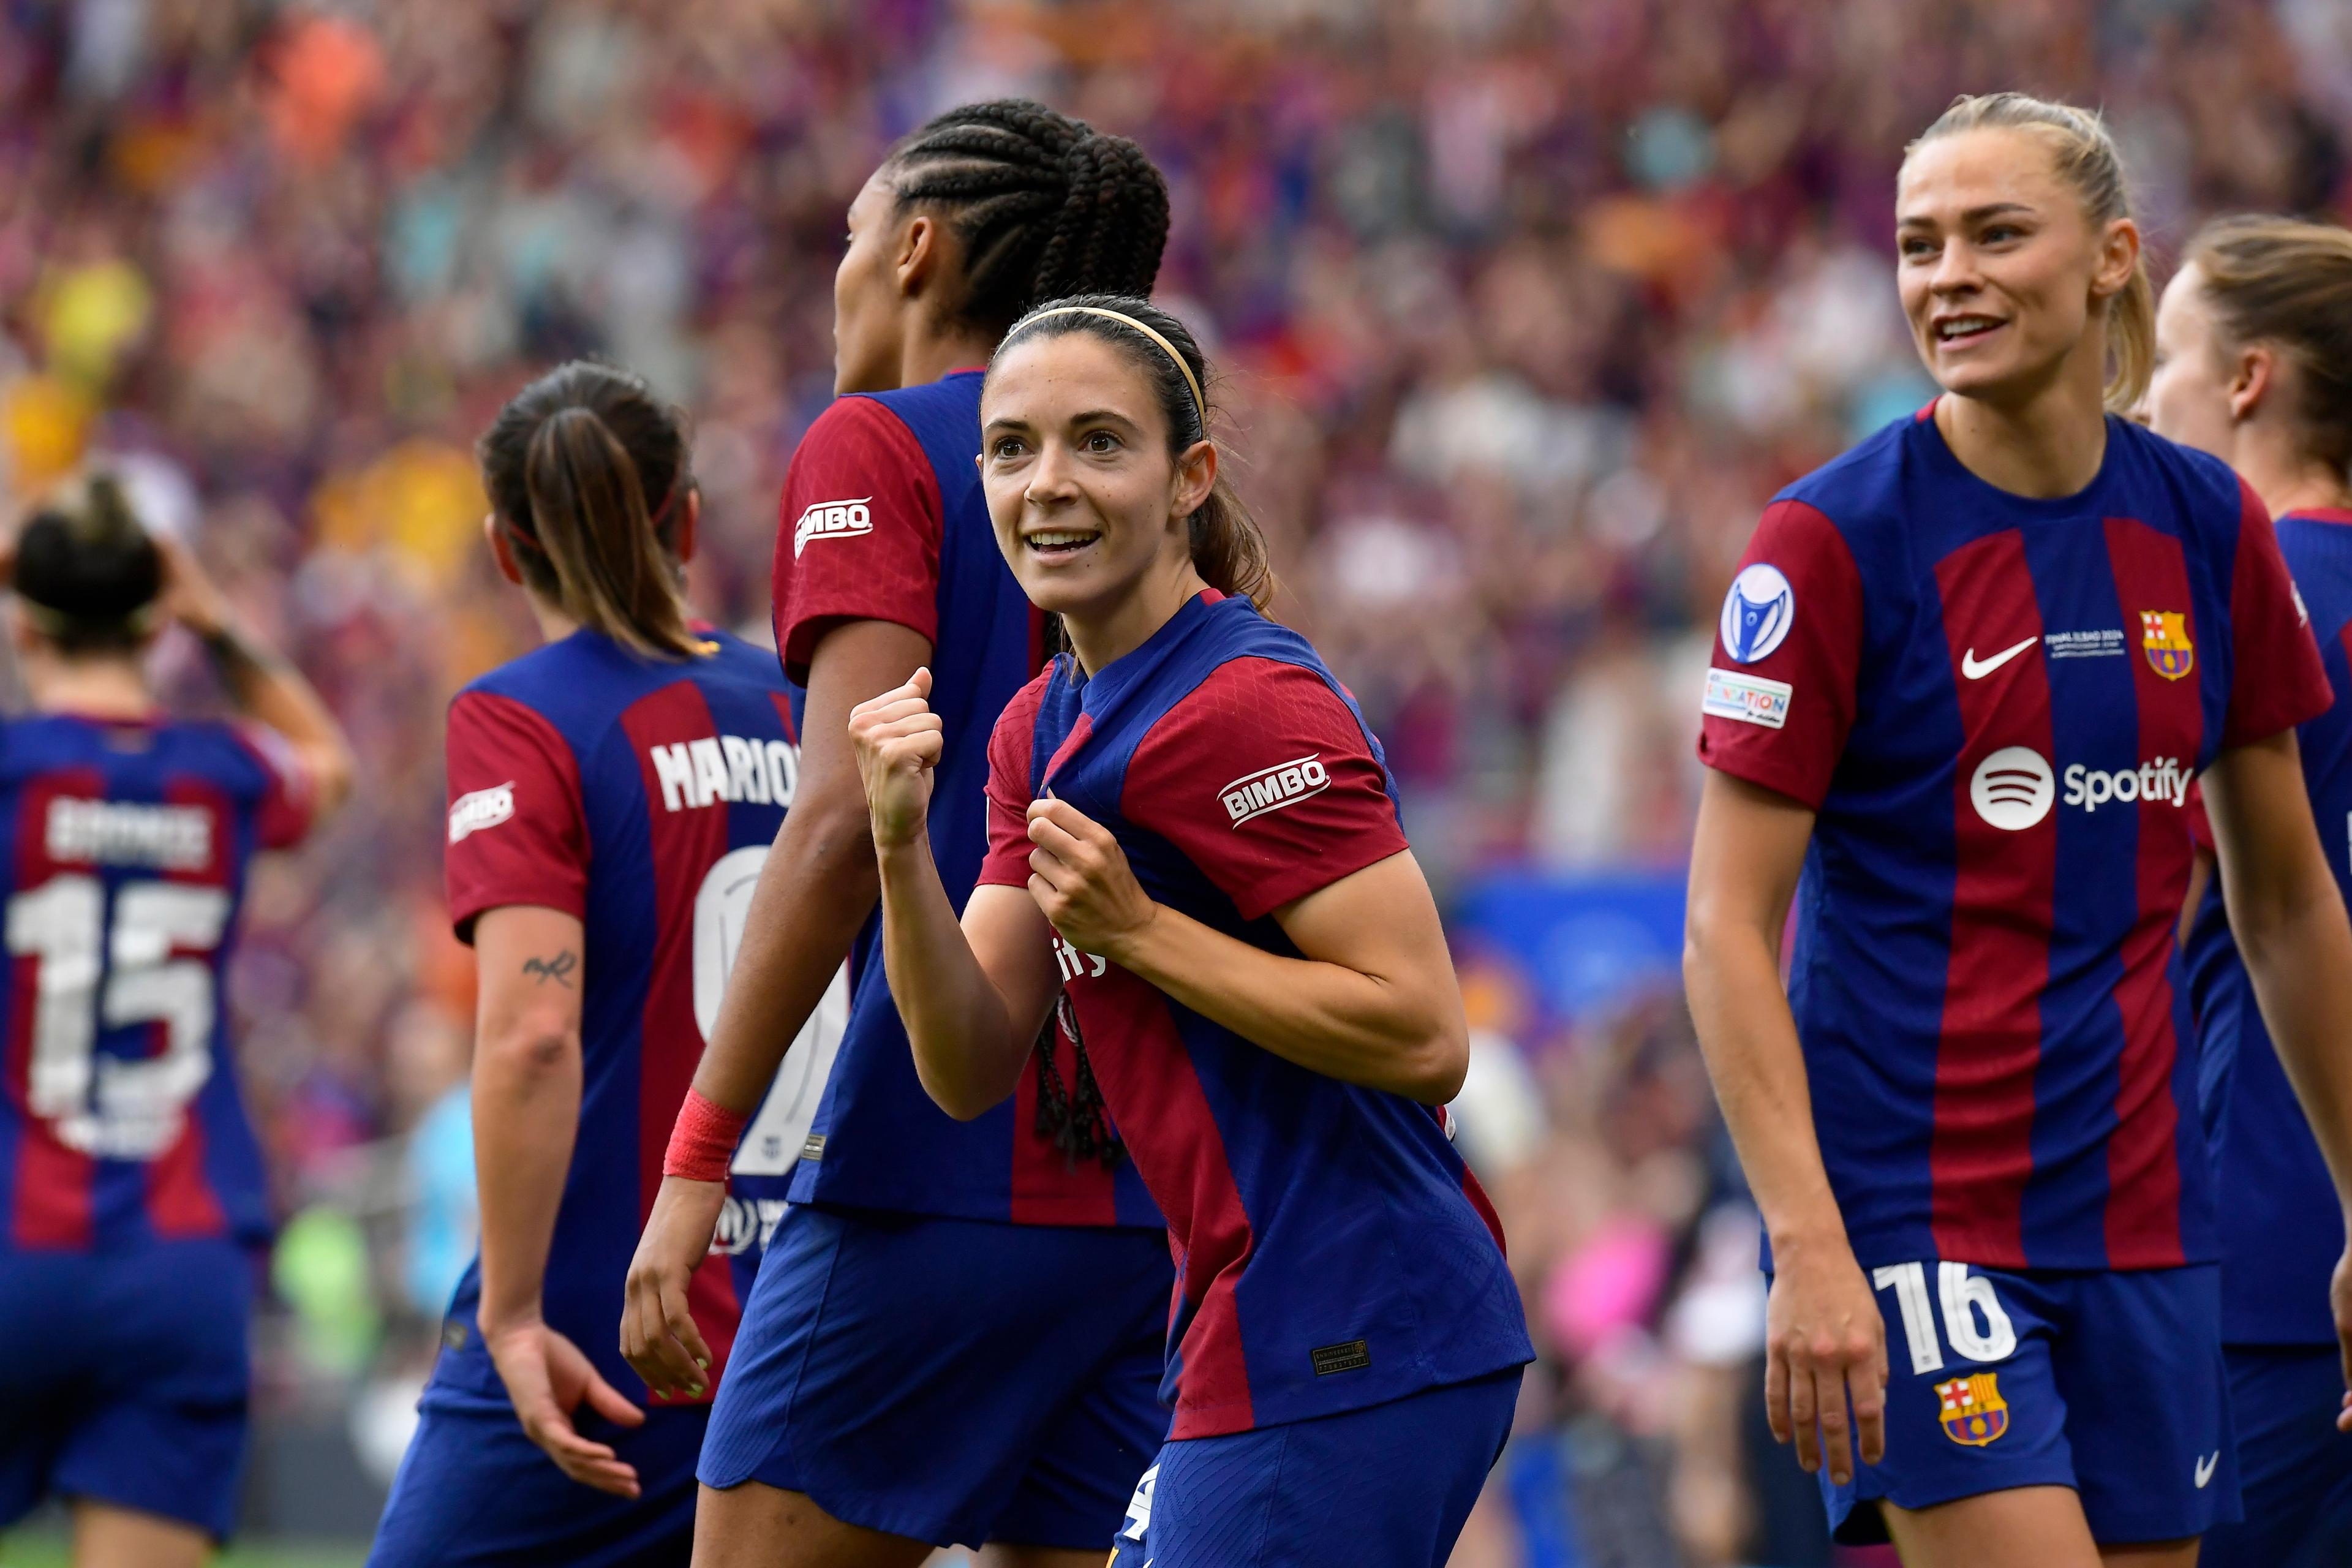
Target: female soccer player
[2254, 364]
[1196, 870]
[957, 1333]
[612, 795]
[133, 1206]
[1962, 683]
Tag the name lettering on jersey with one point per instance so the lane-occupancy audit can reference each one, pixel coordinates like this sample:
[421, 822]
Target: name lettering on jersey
[125, 832]
[832, 520]
[1750, 699]
[1077, 965]
[469, 813]
[1271, 789]
[2164, 780]
[719, 769]
[2105, 642]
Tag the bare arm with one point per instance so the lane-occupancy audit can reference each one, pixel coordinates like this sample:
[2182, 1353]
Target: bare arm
[525, 1092]
[2288, 916]
[1824, 1336]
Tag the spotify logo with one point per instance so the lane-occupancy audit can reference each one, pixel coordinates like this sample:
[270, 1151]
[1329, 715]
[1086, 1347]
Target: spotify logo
[2014, 788]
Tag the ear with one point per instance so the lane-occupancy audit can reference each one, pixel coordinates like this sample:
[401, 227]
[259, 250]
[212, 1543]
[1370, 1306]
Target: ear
[921, 245]
[2255, 376]
[501, 550]
[687, 524]
[1196, 475]
[2118, 259]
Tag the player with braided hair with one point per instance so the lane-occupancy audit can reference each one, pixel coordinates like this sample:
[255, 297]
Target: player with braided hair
[957, 1333]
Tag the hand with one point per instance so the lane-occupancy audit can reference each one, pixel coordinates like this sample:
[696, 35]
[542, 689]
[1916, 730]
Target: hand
[2339, 1293]
[190, 597]
[899, 740]
[1824, 1342]
[547, 1376]
[658, 1338]
[1080, 878]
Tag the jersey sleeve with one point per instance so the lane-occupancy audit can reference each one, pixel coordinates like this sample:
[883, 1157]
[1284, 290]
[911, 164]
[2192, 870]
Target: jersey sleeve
[859, 530]
[2277, 679]
[1781, 689]
[517, 835]
[289, 802]
[1265, 779]
[1010, 748]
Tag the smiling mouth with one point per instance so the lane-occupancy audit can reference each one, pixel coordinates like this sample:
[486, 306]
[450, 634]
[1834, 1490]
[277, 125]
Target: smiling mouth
[1960, 332]
[1059, 543]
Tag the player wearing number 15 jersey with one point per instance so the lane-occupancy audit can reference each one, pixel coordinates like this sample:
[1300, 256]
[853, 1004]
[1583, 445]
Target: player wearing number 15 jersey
[1963, 680]
[132, 1200]
[612, 796]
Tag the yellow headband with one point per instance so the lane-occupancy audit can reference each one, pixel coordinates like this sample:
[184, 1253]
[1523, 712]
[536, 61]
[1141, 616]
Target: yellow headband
[1200, 406]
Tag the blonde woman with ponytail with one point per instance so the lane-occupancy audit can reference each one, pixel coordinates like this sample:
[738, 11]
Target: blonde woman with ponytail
[612, 795]
[1963, 680]
[2255, 365]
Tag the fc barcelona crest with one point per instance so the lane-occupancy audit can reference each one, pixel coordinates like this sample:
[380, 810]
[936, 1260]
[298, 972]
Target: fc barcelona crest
[2164, 636]
[1974, 1412]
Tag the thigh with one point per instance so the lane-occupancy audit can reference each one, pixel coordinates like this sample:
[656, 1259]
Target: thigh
[2294, 1465]
[754, 1525]
[1385, 1487]
[473, 1490]
[2024, 1527]
[105, 1536]
[901, 1371]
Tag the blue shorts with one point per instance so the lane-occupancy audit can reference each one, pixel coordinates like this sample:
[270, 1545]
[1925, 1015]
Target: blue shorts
[2294, 1469]
[2111, 1383]
[955, 1381]
[1385, 1487]
[472, 1490]
[126, 1378]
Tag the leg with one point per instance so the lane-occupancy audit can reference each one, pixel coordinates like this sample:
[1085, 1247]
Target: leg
[754, 1525]
[2026, 1527]
[1041, 1557]
[105, 1536]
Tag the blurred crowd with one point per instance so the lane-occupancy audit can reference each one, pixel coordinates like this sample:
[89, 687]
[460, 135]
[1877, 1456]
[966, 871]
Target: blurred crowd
[1523, 308]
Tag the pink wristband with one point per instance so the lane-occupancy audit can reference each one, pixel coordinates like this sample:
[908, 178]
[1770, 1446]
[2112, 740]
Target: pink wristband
[702, 1143]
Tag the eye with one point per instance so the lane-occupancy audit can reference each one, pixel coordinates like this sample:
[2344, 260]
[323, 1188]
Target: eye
[1005, 448]
[1915, 246]
[1997, 233]
[1101, 443]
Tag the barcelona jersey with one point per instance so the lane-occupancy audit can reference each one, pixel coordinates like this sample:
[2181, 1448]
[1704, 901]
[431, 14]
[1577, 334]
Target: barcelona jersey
[640, 796]
[125, 863]
[1995, 706]
[2285, 1228]
[883, 519]
[1332, 1251]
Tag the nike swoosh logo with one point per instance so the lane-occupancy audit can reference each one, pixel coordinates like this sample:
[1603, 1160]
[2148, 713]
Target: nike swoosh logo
[1976, 669]
[2205, 1468]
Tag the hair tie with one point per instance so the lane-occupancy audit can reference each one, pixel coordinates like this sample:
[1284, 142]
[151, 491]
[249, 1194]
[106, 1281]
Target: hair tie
[1200, 405]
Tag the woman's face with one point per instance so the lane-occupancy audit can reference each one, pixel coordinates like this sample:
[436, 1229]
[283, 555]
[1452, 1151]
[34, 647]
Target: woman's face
[1074, 460]
[2189, 399]
[868, 325]
[2003, 277]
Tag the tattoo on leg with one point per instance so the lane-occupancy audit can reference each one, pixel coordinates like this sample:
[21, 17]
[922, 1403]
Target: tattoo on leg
[557, 968]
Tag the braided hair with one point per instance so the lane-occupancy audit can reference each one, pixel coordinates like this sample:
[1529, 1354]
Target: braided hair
[1044, 205]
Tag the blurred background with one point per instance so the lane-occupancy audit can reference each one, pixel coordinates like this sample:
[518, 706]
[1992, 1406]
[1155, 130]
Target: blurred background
[1524, 308]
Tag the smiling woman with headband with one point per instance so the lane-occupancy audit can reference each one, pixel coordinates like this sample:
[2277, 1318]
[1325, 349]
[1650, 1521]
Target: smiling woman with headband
[1196, 874]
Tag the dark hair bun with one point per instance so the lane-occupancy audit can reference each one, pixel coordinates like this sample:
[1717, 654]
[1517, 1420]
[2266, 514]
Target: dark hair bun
[85, 559]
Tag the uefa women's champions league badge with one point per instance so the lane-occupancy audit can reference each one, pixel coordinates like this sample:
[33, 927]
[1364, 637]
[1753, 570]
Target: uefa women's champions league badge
[1756, 613]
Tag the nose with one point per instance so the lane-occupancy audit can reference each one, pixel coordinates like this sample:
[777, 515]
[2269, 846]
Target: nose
[1956, 269]
[1050, 476]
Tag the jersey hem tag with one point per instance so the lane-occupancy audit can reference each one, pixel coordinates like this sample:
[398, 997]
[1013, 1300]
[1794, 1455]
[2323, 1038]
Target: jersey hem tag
[1352, 1356]
[813, 1146]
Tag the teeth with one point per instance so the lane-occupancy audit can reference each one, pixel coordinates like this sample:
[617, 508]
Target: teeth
[1955, 328]
[1055, 541]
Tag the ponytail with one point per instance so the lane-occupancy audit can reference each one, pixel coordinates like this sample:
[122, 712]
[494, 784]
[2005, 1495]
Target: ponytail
[574, 464]
[2289, 283]
[87, 574]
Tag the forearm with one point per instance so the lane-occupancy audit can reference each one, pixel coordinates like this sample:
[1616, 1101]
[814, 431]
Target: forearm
[1749, 1041]
[2300, 960]
[1343, 1023]
[526, 1095]
[266, 686]
[968, 1051]
[814, 892]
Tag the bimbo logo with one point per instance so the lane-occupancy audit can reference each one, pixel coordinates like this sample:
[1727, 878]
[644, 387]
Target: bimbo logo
[832, 520]
[469, 813]
[1271, 789]
[2013, 788]
[1756, 613]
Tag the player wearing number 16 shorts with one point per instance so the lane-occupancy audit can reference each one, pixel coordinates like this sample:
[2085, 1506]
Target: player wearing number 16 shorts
[612, 795]
[1964, 678]
[132, 1200]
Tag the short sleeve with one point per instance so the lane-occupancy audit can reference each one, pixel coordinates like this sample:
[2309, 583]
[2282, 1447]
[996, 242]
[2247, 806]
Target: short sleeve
[1779, 698]
[289, 802]
[515, 832]
[1010, 749]
[2276, 680]
[1264, 777]
[858, 534]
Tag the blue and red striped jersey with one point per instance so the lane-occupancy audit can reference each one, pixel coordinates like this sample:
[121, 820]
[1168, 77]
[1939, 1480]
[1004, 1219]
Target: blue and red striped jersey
[1995, 706]
[2284, 1228]
[1332, 1251]
[884, 519]
[125, 864]
[640, 796]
